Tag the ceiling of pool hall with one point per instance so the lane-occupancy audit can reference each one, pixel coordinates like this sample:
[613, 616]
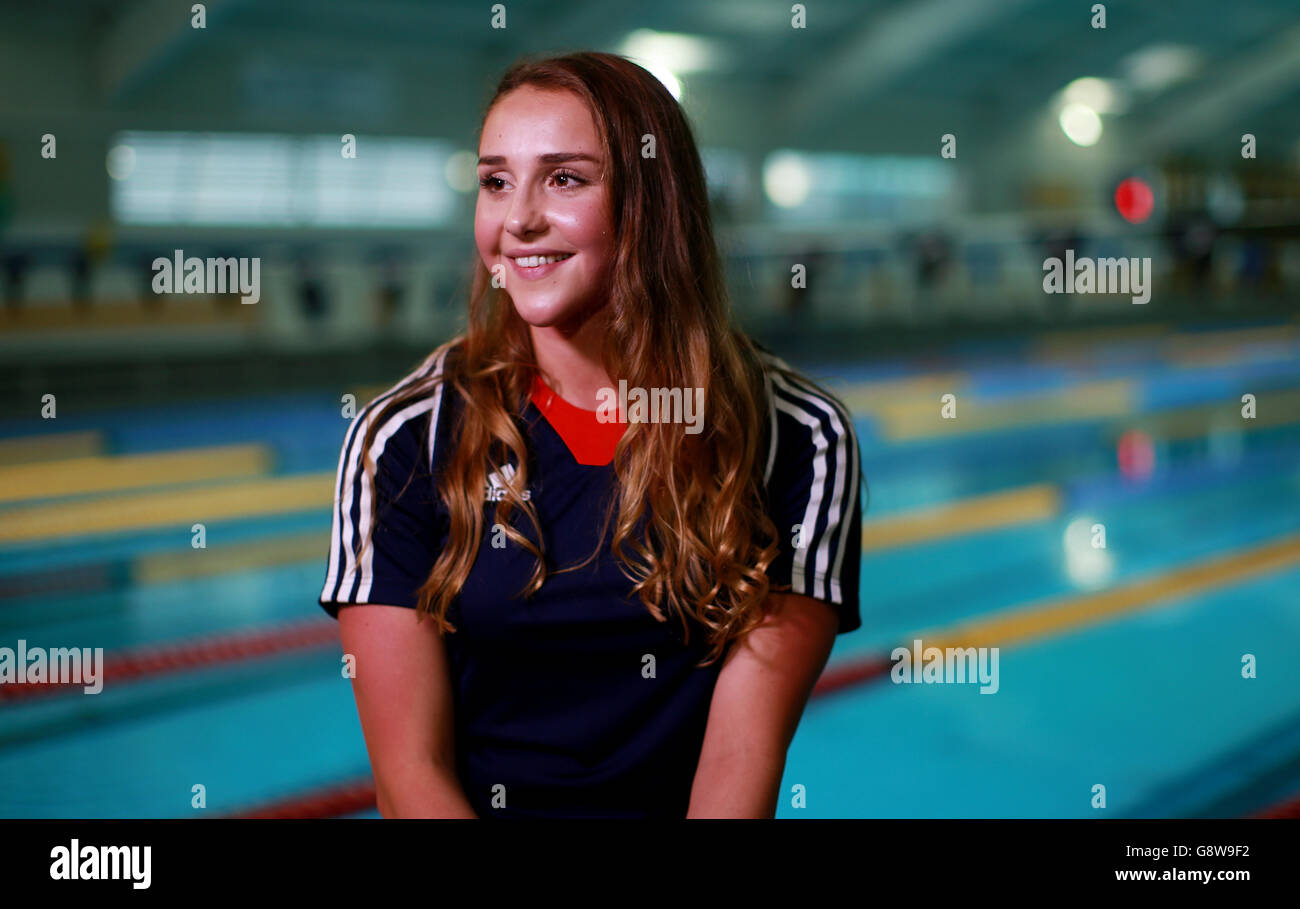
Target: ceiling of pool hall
[884, 77]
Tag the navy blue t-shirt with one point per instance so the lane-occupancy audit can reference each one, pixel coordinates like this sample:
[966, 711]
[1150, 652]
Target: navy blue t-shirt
[551, 695]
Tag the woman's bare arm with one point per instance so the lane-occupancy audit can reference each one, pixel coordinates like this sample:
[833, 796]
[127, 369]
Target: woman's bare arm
[761, 692]
[403, 693]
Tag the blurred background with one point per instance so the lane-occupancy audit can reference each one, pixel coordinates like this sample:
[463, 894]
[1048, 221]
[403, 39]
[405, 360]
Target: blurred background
[1110, 497]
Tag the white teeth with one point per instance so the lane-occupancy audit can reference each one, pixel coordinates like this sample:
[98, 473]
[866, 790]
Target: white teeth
[534, 261]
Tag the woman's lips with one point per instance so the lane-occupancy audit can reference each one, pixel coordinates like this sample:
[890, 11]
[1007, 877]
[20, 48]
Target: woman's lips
[539, 271]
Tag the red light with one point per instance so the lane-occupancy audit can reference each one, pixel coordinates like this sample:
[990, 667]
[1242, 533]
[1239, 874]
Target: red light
[1136, 454]
[1134, 200]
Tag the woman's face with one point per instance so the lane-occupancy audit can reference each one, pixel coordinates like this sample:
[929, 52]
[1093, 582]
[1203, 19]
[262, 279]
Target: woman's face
[543, 193]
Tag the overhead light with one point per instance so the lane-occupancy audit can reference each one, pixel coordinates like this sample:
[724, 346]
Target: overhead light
[1080, 124]
[1158, 66]
[461, 171]
[120, 162]
[1102, 95]
[667, 54]
[786, 179]
[666, 76]
[678, 52]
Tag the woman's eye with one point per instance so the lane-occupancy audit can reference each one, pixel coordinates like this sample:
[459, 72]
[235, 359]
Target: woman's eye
[562, 181]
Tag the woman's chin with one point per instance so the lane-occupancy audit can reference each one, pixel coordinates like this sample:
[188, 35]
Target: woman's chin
[564, 315]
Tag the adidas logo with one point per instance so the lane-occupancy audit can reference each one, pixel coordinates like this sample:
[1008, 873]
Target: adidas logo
[499, 481]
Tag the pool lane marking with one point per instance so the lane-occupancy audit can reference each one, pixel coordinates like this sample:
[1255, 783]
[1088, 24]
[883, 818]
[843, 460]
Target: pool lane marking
[1020, 626]
[186, 656]
[1198, 348]
[1057, 615]
[75, 519]
[306, 492]
[98, 474]
[869, 398]
[920, 418]
[1035, 622]
[1013, 627]
[1005, 508]
[51, 446]
[230, 558]
[1274, 408]
[169, 508]
[166, 566]
[1165, 343]
[1050, 347]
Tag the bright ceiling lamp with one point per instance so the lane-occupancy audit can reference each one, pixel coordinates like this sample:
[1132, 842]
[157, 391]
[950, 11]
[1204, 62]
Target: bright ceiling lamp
[120, 162]
[461, 171]
[1158, 66]
[786, 179]
[666, 54]
[1101, 95]
[1080, 124]
[666, 76]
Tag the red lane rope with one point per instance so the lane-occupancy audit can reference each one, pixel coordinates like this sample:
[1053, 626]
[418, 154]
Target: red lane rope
[349, 798]
[132, 665]
[359, 795]
[1289, 809]
[851, 672]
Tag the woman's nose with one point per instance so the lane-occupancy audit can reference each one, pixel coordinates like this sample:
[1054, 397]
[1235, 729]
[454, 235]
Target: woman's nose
[526, 214]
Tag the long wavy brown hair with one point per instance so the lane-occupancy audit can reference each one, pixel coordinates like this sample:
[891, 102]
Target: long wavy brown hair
[690, 527]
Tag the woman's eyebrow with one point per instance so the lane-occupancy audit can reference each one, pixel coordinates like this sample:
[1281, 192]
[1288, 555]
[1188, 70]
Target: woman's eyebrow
[550, 158]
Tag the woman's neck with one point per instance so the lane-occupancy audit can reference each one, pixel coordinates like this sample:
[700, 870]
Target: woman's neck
[571, 360]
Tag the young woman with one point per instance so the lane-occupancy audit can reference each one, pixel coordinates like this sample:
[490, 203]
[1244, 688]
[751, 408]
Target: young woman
[571, 615]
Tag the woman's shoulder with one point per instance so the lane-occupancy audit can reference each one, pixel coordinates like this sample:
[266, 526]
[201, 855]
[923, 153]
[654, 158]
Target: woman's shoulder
[814, 483]
[411, 413]
[808, 423]
[792, 391]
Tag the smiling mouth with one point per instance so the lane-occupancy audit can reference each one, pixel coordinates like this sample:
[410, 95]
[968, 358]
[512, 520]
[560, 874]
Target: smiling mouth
[539, 261]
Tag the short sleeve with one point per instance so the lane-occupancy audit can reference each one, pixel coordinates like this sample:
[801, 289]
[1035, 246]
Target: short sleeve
[384, 538]
[814, 493]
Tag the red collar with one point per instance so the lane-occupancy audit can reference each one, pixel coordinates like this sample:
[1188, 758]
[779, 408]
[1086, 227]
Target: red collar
[590, 441]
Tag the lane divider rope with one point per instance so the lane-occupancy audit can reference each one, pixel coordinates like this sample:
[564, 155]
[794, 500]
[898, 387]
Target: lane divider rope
[151, 662]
